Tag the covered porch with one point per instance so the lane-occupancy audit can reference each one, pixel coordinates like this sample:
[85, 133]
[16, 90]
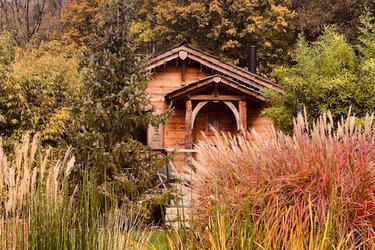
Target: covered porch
[213, 103]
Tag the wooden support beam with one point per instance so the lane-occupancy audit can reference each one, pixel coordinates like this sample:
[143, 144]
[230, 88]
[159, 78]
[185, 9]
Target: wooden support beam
[216, 98]
[188, 130]
[243, 115]
[199, 106]
[188, 123]
[216, 90]
[235, 113]
[183, 72]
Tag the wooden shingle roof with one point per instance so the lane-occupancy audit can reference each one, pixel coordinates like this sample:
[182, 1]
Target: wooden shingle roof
[226, 70]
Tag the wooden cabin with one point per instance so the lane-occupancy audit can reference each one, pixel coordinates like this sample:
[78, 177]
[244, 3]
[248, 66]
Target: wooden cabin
[206, 93]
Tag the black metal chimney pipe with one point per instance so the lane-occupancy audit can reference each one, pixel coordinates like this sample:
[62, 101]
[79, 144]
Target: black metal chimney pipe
[252, 60]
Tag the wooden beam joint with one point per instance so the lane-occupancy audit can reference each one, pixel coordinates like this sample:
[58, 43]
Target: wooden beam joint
[235, 113]
[196, 110]
[216, 98]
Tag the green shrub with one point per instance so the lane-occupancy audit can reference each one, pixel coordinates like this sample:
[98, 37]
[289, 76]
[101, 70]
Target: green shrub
[329, 74]
[40, 89]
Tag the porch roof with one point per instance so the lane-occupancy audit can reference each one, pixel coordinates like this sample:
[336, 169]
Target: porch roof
[241, 89]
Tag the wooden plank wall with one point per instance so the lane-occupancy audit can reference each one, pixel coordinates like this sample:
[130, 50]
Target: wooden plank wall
[167, 79]
[257, 121]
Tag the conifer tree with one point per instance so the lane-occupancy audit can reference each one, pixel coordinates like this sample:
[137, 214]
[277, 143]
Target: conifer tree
[116, 110]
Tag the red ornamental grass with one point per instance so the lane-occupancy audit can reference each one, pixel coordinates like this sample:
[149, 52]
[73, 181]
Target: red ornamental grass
[315, 188]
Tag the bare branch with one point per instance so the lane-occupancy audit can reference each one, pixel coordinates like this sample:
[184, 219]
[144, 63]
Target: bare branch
[22, 18]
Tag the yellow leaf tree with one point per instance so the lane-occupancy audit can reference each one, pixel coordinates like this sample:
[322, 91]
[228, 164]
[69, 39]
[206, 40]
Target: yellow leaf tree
[224, 28]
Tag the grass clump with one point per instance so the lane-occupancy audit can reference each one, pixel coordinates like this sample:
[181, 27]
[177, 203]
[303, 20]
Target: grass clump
[39, 209]
[312, 190]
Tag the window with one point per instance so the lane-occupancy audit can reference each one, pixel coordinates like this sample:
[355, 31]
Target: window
[141, 136]
[213, 122]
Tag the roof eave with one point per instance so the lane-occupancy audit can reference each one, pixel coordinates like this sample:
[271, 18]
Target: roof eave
[212, 62]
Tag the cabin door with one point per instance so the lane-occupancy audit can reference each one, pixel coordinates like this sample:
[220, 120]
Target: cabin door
[215, 116]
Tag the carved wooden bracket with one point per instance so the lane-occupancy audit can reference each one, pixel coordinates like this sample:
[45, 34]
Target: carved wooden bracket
[196, 111]
[235, 113]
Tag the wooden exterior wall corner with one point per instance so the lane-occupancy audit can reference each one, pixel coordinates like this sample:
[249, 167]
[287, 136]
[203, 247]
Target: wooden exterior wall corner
[188, 130]
[188, 124]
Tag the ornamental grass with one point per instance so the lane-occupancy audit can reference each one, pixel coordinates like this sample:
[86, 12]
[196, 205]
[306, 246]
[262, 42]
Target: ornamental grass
[41, 209]
[314, 189]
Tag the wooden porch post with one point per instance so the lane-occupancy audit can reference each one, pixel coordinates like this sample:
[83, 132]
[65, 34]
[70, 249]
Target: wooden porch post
[188, 130]
[243, 114]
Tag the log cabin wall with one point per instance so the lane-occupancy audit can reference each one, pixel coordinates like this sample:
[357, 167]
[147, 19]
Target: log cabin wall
[168, 78]
[174, 74]
[171, 135]
[164, 80]
[256, 120]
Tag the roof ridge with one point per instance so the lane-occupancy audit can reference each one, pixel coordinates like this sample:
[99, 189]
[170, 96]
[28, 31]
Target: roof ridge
[184, 42]
[180, 47]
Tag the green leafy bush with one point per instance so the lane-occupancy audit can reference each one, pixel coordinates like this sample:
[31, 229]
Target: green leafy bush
[39, 91]
[327, 75]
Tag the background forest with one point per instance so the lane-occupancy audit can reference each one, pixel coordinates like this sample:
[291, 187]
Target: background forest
[71, 74]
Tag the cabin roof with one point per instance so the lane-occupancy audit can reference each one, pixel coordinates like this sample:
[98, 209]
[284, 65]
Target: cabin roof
[228, 71]
[203, 83]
